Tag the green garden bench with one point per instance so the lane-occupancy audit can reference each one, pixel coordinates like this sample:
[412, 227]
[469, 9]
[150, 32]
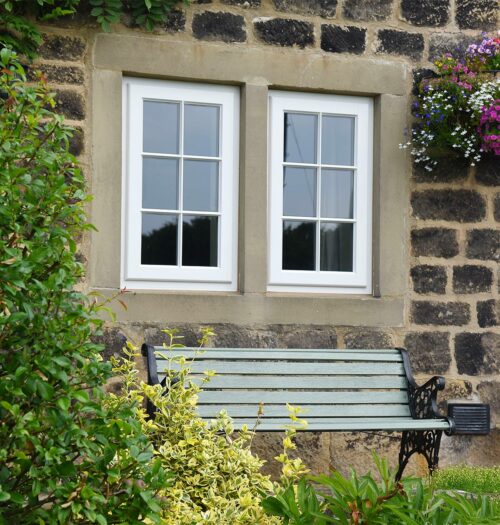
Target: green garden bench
[339, 390]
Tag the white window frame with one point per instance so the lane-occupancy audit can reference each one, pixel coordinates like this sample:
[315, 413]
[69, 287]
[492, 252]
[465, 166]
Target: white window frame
[135, 275]
[359, 281]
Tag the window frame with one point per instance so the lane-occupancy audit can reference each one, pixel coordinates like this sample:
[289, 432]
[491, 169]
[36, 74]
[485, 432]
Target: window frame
[359, 281]
[135, 275]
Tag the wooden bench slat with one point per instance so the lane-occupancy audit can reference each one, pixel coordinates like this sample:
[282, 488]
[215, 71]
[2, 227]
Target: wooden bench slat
[303, 398]
[300, 382]
[347, 425]
[286, 368]
[278, 355]
[309, 411]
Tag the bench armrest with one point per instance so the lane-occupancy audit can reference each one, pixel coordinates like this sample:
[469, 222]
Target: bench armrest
[422, 399]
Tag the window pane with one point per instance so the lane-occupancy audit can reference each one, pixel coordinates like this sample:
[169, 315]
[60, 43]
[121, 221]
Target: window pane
[300, 138]
[299, 192]
[336, 247]
[201, 185]
[159, 183]
[159, 239]
[161, 127]
[337, 193]
[337, 141]
[199, 240]
[299, 245]
[201, 130]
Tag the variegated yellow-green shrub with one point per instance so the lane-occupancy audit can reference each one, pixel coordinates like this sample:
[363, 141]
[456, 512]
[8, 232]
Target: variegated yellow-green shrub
[216, 477]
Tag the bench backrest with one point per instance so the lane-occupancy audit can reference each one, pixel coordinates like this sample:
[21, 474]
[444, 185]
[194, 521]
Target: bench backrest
[343, 386]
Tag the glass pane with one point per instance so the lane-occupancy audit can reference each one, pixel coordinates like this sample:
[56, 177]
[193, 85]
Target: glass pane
[299, 245]
[201, 185]
[199, 240]
[299, 192]
[337, 193]
[336, 247]
[159, 183]
[201, 130]
[161, 127]
[159, 239]
[300, 137]
[337, 141]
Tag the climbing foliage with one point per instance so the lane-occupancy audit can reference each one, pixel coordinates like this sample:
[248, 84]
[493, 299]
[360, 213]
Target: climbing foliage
[19, 18]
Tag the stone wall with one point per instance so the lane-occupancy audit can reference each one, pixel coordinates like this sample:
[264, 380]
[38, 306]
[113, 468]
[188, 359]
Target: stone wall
[452, 301]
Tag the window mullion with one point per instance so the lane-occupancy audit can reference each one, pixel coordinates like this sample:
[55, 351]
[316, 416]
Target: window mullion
[318, 196]
[181, 187]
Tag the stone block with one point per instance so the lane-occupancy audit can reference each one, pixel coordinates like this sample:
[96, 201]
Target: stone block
[57, 74]
[236, 336]
[373, 339]
[477, 14]
[76, 142]
[450, 171]
[429, 352]
[496, 207]
[488, 313]
[225, 27]
[472, 279]
[71, 104]
[369, 10]
[448, 205]
[440, 314]
[488, 171]
[312, 447]
[402, 43]
[354, 450]
[324, 8]
[476, 450]
[489, 392]
[420, 74]
[243, 3]
[297, 336]
[434, 242]
[428, 279]
[113, 340]
[59, 47]
[338, 39]
[483, 244]
[426, 12]
[176, 21]
[285, 32]
[477, 354]
[455, 43]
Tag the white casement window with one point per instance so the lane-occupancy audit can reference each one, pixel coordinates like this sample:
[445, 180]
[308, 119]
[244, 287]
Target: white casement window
[320, 193]
[180, 180]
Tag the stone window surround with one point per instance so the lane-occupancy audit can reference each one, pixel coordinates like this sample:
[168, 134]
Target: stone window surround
[255, 70]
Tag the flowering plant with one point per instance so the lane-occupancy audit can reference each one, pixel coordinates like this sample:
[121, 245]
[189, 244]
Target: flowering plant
[457, 112]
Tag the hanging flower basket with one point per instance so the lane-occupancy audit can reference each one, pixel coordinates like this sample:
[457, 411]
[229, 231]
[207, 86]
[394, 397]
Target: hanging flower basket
[457, 113]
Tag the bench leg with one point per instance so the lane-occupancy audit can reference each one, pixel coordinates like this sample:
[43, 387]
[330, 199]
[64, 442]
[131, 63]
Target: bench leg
[425, 442]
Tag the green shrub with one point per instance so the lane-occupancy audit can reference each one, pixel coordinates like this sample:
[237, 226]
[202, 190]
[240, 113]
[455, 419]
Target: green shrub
[363, 500]
[65, 456]
[217, 480]
[478, 480]
[20, 33]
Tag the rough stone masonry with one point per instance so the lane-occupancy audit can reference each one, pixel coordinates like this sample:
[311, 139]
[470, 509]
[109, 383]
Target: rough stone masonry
[452, 315]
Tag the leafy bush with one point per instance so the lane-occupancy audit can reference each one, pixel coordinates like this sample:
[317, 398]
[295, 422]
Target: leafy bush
[479, 480]
[65, 456]
[363, 500]
[18, 32]
[217, 479]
